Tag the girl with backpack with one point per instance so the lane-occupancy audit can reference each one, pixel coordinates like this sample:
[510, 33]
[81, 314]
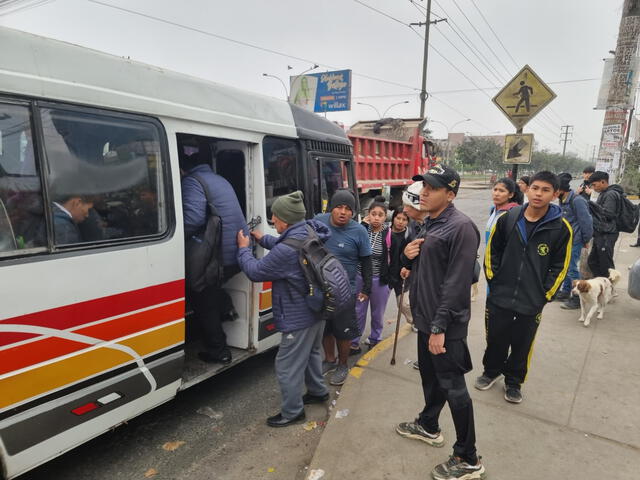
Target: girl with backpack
[378, 232]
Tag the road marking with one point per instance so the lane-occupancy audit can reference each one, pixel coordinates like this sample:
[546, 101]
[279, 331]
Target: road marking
[357, 370]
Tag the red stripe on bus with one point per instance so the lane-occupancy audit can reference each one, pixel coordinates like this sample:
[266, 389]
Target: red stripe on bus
[78, 314]
[32, 353]
[35, 352]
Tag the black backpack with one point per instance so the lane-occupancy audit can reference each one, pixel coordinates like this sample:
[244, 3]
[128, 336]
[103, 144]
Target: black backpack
[328, 290]
[628, 214]
[203, 251]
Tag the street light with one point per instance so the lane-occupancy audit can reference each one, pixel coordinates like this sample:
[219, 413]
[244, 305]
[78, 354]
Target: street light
[369, 105]
[286, 94]
[384, 115]
[448, 130]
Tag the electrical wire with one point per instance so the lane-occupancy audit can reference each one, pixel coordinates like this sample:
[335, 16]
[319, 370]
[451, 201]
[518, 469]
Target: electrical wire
[480, 35]
[30, 6]
[470, 44]
[246, 44]
[494, 33]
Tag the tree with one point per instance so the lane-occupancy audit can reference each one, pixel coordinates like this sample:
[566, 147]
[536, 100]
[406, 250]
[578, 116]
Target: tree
[555, 162]
[479, 154]
[631, 176]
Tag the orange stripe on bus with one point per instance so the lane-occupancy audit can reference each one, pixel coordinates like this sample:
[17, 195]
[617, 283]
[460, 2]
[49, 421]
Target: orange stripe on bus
[124, 326]
[53, 376]
[265, 300]
[49, 348]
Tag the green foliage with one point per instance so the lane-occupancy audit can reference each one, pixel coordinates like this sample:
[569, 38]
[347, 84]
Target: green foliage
[484, 154]
[555, 162]
[631, 175]
[479, 154]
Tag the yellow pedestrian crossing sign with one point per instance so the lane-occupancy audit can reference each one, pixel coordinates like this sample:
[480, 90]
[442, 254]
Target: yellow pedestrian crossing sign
[523, 97]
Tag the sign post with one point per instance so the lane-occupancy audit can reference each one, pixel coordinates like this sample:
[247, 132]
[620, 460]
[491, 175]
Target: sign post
[520, 100]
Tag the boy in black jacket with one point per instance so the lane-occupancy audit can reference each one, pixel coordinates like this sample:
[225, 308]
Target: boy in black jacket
[526, 260]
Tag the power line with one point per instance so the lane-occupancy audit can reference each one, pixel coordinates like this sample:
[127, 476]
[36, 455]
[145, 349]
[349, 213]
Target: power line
[480, 35]
[495, 34]
[244, 44]
[381, 13]
[29, 6]
[471, 90]
[469, 43]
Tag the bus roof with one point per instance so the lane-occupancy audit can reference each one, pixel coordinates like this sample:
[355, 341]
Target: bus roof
[40, 67]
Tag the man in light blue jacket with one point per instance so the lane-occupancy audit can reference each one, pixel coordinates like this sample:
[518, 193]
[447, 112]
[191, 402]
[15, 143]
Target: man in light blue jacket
[299, 358]
[576, 210]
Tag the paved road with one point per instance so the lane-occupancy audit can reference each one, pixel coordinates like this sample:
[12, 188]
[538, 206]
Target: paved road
[220, 421]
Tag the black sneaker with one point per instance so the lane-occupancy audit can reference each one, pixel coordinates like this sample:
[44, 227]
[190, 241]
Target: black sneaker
[512, 394]
[223, 357]
[308, 399]
[414, 430]
[562, 296]
[456, 468]
[485, 382]
[571, 304]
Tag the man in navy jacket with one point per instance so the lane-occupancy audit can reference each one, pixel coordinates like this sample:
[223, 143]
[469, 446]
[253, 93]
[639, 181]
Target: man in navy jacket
[299, 358]
[212, 305]
[576, 210]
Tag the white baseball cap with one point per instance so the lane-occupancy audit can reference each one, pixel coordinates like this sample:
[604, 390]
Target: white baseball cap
[411, 196]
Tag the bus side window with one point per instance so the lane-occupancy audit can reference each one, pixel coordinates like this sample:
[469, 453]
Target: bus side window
[105, 178]
[280, 169]
[21, 214]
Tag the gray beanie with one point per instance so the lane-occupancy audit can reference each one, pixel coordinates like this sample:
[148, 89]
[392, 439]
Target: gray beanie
[343, 197]
[290, 208]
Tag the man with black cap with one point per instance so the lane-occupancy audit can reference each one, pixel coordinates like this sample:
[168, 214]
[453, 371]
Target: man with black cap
[576, 210]
[349, 242]
[299, 358]
[605, 228]
[442, 261]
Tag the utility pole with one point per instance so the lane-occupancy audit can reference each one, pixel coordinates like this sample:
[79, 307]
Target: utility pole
[425, 57]
[565, 132]
[623, 84]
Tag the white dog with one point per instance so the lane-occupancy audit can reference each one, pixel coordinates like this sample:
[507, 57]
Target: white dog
[594, 295]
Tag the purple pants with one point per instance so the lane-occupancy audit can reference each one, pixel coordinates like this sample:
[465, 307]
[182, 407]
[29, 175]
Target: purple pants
[378, 299]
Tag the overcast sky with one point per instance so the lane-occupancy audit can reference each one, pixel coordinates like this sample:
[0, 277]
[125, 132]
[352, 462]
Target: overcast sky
[562, 40]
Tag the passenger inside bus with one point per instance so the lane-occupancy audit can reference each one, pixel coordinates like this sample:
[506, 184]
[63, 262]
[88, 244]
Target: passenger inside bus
[212, 305]
[68, 212]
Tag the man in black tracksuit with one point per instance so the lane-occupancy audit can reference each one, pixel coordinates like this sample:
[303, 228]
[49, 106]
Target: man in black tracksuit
[442, 260]
[526, 260]
[605, 229]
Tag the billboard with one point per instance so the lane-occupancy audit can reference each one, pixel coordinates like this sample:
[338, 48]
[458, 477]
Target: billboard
[322, 92]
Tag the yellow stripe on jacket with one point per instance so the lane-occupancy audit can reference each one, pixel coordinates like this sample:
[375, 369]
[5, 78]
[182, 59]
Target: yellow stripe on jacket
[565, 267]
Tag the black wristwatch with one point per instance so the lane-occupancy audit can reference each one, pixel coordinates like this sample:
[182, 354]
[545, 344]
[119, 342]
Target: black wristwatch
[436, 329]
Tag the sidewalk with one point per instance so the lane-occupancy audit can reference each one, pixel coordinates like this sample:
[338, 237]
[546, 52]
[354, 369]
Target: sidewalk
[580, 417]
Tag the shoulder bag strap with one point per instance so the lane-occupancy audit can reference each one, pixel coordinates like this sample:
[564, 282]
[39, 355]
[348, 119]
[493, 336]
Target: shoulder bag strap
[207, 194]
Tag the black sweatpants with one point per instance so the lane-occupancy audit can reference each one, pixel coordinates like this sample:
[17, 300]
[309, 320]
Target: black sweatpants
[601, 255]
[508, 330]
[443, 382]
[208, 306]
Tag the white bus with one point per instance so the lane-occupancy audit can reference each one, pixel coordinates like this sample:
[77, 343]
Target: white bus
[92, 327]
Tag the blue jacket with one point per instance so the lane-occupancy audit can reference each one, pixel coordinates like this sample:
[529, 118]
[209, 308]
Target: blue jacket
[194, 208]
[576, 210]
[281, 266]
[66, 230]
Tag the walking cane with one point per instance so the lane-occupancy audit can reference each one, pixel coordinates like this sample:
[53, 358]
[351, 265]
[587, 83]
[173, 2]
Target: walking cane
[395, 340]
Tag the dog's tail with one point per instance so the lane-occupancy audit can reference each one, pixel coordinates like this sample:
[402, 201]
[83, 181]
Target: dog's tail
[614, 276]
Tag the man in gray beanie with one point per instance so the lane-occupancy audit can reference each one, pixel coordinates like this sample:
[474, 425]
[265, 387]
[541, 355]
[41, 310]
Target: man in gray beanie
[349, 242]
[299, 358]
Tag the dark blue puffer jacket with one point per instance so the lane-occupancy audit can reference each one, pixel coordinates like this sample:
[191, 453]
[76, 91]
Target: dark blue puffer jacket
[281, 266]
[194, 208]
